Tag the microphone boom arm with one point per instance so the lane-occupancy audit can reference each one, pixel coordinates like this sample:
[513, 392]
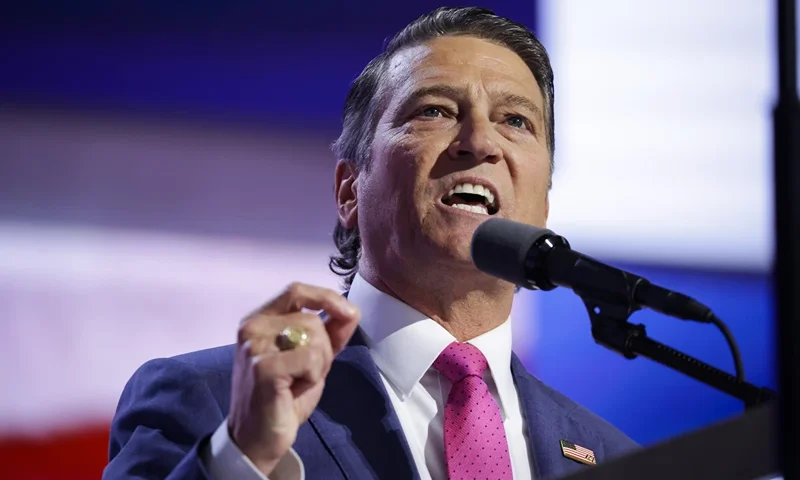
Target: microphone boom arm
[611, 329]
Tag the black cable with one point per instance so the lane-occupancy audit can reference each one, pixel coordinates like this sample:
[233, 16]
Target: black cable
[737, 357]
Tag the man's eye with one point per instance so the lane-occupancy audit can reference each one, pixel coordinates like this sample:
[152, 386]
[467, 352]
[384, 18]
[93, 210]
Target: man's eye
[432, 112]
[516, 121]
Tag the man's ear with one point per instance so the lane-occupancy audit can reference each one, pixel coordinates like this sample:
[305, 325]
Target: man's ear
[346, 191]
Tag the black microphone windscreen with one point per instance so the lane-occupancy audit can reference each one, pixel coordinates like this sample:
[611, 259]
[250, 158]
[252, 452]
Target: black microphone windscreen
[499, 248]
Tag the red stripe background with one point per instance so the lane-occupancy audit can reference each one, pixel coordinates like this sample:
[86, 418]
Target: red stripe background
[78, 454]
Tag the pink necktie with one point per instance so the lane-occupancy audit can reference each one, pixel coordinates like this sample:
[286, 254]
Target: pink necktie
[475, 442]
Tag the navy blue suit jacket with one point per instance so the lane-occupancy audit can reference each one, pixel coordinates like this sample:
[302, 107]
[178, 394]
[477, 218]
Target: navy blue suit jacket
[170, 408]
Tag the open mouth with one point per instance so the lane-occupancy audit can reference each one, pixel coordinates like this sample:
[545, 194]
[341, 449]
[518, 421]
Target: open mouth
[471, 197]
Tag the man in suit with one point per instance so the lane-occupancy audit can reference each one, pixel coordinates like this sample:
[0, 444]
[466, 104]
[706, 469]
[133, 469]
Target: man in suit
[411, 373]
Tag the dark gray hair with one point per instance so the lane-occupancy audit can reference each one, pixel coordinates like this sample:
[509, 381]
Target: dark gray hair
[363, 107]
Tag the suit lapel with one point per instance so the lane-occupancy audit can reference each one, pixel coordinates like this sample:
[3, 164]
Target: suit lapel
[547, 423]
[356, 421]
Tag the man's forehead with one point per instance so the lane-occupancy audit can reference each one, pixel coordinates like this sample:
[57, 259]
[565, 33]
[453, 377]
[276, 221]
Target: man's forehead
[447, 58]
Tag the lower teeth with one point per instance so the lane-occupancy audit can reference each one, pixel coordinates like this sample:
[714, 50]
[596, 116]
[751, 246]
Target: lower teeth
[471, 208]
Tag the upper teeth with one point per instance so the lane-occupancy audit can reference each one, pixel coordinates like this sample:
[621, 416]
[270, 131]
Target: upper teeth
[475, 190]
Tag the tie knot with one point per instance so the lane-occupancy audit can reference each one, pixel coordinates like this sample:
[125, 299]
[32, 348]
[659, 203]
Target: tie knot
[460, 360]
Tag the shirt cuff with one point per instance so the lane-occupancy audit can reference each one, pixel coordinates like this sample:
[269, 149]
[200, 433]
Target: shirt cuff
[224, 461]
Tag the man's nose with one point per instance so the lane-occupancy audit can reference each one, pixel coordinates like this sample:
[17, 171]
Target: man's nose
[476, 140]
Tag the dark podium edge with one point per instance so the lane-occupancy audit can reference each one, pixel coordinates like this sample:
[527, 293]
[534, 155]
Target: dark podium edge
[742, 448]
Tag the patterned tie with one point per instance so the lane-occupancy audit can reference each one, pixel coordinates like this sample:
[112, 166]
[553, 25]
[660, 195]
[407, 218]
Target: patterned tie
[474, 438]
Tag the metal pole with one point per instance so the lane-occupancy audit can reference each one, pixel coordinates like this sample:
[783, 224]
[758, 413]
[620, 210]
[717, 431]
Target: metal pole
[786, 116]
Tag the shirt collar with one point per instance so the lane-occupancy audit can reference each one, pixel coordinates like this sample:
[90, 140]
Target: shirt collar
[404, 342]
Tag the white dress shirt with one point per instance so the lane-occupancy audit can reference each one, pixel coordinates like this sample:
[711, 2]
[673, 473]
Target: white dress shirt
[404, 344]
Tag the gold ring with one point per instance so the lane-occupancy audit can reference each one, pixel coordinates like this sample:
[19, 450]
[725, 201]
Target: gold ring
[291, 338]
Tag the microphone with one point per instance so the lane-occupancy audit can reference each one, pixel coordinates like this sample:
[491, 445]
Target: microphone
[537, 258]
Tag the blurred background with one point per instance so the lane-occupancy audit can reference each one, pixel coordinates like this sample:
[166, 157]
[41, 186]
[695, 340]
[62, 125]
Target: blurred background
[164, 168]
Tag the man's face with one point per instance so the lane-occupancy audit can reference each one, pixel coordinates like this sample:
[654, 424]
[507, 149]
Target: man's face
[462, 139]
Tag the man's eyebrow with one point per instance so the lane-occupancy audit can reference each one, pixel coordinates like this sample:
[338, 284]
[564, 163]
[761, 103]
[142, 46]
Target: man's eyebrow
[448, 91]
[514, 100]
[451, 92]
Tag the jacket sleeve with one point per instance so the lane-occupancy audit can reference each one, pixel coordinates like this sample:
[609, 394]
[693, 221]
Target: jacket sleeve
[163, 423]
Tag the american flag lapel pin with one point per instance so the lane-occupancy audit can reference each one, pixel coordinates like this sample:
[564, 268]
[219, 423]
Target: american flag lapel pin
[577, 453]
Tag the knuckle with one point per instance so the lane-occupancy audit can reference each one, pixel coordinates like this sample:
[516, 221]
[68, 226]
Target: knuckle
[323, 347]
[295, 289]
[322, 363]
[312, 324]
[246, 347]
[246, 332]
[333, 296]
[264, 368]
[314, 368]
[316, 374]
[318, 336]
[315, 357]
[252, 350]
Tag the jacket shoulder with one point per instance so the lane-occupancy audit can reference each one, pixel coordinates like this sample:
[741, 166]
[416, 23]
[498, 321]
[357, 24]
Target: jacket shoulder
[162, 381]
[167, 408]
[210, 368]
[210, 361]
